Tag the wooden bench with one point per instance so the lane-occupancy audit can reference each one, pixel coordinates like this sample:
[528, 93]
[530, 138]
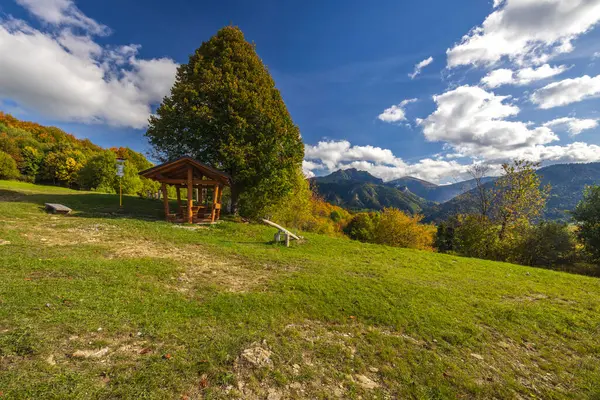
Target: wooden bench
[287, 235]
[57, 208]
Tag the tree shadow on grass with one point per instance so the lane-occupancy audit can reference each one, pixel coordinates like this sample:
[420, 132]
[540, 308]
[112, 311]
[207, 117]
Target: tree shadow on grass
[92, 205]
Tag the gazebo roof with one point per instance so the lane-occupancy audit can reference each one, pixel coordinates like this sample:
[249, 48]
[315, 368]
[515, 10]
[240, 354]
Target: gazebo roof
[178, 170]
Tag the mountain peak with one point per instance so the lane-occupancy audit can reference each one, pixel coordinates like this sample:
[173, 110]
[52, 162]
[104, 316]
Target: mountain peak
[411, 180]
[350, 174]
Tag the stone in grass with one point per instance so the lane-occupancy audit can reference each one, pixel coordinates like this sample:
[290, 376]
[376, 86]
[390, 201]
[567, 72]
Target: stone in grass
[4, 242]
[257, 356]
[90, 353]
[477, 356]
[366, 382]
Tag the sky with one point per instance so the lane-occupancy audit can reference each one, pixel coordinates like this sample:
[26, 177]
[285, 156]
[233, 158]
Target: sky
[422, 88]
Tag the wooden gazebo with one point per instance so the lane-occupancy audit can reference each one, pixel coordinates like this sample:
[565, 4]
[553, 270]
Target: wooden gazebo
[185, 172]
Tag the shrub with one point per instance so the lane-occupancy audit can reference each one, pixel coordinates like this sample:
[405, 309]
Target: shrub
[444, 237]
[8, 167]
[398, 229]
[476, 236]
[363, 227]
[547, 244]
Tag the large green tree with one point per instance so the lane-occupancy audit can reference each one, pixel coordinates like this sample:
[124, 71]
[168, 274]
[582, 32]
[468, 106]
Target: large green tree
[587, 215]
[520, 197]
[225, 110]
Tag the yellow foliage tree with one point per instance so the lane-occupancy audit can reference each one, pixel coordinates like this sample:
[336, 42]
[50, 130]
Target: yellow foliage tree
[398, 229]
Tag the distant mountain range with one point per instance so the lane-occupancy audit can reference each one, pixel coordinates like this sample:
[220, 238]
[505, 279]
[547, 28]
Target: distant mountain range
[359, 190]
[432, 192]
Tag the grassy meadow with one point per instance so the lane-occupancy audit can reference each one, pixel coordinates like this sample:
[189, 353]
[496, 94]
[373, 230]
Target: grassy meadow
[117, 304]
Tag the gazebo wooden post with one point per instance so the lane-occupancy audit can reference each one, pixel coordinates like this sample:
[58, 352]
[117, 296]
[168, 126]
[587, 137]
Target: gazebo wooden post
[219, 201]
[165, 200]
[214, 207]
[190, 188]
[178, 196]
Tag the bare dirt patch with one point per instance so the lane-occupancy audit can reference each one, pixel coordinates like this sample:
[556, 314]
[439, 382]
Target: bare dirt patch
[197, 263]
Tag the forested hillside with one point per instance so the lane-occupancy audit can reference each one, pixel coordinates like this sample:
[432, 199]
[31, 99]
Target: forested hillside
[42, 154]
[567, 182]
[432, 192]
[359, 190]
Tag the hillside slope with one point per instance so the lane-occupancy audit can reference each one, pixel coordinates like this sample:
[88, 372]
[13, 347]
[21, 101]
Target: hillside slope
[113, 303]
[359, 190]
[432, 192]
[568, 182]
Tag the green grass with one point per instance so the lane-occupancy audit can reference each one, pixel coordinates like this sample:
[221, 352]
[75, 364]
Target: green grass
[177, 307]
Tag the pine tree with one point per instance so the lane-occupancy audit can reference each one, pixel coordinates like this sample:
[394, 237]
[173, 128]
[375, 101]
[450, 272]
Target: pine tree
[225, 111]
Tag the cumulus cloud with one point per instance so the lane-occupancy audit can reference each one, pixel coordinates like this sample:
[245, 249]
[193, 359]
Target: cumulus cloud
[419, 67]
[567, 91]
[395, 113]
[573, 125]
[527, 32]
[328, 156]
[69, 76]
[521, 77]
[63, 13]
[473, 121]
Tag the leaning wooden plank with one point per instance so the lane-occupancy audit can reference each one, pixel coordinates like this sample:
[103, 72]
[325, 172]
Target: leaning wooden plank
[281, 228]
[57, 208]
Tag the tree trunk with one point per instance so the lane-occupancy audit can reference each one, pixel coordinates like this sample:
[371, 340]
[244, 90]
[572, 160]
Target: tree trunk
[235, 197]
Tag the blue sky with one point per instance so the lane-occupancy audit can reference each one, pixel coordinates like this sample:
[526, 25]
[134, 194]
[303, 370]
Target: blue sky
[98, 69]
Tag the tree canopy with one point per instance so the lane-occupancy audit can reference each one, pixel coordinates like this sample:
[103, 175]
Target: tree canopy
[587, 215]
[224, 110]
[43, 154]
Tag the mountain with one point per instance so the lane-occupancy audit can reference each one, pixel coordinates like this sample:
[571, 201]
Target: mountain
[432, 192]
[359, 190]
[568, 182]
[349, 175]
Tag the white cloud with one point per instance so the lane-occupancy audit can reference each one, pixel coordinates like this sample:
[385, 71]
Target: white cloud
[526, 32]
[395, 113]
[63, 13]
[333, 153]
[473, 121]
[498, 77]
[70, 77]
[573, 125]
[521, 77]
[328, 156]
[419, 67]
[567, 91]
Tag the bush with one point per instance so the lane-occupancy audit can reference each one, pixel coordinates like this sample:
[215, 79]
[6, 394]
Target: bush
[397, 229]
[476, 236]
[391, 227]
[363, 227]
[8, 167]
[444, 237]
[547, 244]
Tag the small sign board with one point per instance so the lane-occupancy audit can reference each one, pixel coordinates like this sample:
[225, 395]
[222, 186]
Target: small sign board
[120, 172]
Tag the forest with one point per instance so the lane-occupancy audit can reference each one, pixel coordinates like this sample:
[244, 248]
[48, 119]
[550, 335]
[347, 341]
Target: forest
[47, 155]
